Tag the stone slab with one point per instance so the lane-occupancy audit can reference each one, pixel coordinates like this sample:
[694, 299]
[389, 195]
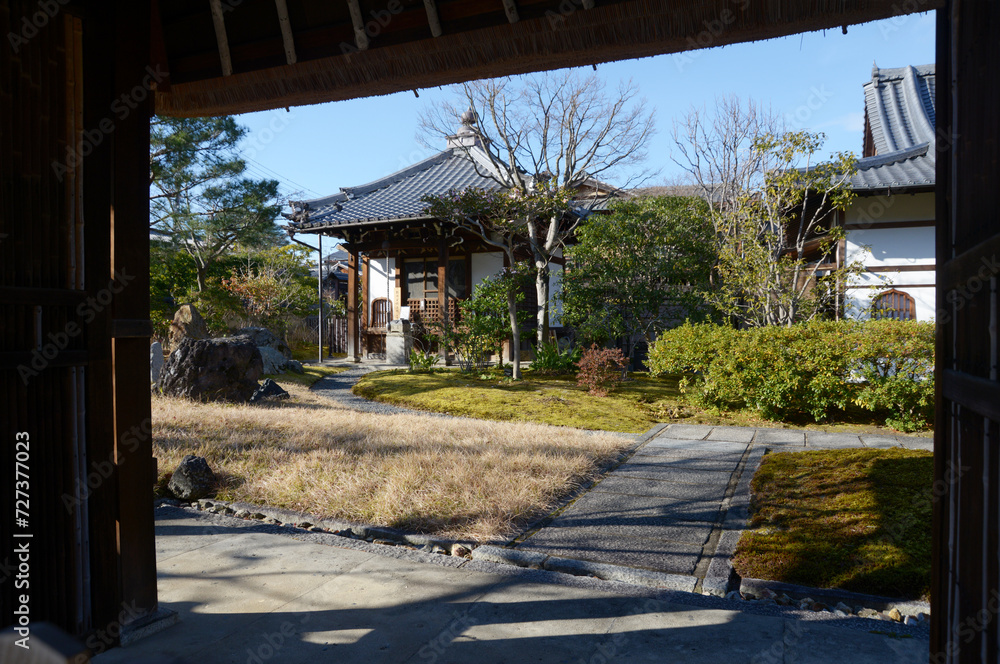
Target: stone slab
[694, 461]
[600, 546]
[687, 431]
[668, 471]
[633, 523]
[649, 506]
[639, 577]
[926, 444]
[732, 434]
[880, 442]
[640, 486]
[702, 446]
[780, 437]
[824, 440]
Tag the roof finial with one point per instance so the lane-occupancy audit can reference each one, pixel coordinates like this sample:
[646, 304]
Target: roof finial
[469, 118]
[874, 72]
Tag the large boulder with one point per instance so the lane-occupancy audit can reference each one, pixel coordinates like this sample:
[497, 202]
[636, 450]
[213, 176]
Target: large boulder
[193, 479]
[264, 337]
[225, 369]
[187, 324]
[155, 361]
[274, 362]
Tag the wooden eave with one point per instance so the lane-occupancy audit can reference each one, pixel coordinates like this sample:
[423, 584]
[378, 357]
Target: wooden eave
[333, 60]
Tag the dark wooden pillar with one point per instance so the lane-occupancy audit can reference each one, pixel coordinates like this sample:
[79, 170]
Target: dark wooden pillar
[442, 278]
[130, 326]
[353, 333]
[965, 591]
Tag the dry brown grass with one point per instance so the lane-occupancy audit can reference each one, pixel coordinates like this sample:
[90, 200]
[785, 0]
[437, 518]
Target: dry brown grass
[457, 478]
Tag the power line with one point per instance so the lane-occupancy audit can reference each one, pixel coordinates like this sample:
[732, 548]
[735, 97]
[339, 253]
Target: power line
[275, 174]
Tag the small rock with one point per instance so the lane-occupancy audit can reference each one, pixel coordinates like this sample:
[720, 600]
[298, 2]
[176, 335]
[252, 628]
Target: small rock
[228, 510]
[783, 599]
[296, 366]
[867, 613]
[819, 606]
[316, 529]
[839, 613]
[272, 520]
[894, 614]
[843, 607]
[734, 594]
[257, 515]
[192, 479]
[439, 549]
[243, 514]
[268, 390]
[922, 617]
[427, 548]
[806, 603]
[910, 620]
[383, 541]
[461, 551]
[305, 524]
[767, 593]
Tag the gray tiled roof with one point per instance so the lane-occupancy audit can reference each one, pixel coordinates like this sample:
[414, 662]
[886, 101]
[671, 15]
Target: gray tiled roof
[397, 196]
[899, 108]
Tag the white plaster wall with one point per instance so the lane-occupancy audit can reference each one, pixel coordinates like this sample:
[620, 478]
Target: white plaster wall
[485, 265]
[377, 283]
[891, 246]
[555, 288]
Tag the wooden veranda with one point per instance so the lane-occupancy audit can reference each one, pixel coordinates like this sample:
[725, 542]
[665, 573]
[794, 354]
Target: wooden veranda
[79, 80]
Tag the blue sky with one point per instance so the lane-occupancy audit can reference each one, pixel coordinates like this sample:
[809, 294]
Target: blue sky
[814, 80]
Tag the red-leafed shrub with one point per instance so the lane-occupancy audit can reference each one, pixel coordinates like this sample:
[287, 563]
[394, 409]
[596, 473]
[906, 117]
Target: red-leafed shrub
[601, 369]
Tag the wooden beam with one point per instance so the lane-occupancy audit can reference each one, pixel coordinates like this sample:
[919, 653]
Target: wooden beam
[433, 20]
[360, 36]
[443, 290]
[353, 340]
[510, 7]
[588, 4]
[220, 36]
[287, 38]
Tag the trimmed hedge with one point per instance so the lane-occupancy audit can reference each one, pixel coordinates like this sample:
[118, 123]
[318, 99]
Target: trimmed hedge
[884, 366]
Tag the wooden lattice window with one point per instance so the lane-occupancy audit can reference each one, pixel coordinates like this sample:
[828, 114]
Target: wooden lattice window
[894, 304]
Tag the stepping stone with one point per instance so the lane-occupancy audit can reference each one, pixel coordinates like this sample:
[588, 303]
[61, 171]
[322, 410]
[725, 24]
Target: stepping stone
[634, 523]
[665, 471]
[688, 431]
[732, 434]
[719, 463]
[702, 446]
[918, 443]
[831, 441]
[604, 547]
[640, 486]
[880, 442]
[657, 509]
[780, 437]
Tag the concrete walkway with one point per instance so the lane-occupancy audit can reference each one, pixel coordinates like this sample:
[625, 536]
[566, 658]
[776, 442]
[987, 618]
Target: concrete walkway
[665, 508]
[248, 592]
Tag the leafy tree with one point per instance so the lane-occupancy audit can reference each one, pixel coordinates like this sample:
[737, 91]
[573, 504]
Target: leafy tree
[273, 286]
[200, 198]
[551, 133]
[639, 269]
[498, 218]
[773, 240]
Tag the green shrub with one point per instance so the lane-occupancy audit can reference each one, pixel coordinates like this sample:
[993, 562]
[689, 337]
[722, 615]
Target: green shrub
[811, 368]
[421, 361]
[601, 369]
[552, 361]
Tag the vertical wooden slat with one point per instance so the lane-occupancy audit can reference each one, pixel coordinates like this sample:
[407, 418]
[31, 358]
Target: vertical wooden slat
[353, 338]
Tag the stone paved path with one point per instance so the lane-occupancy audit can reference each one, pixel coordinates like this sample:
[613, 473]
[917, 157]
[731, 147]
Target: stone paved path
[663, 509]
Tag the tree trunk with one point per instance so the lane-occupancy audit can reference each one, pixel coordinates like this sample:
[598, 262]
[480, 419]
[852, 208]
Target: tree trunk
[202, 276]
[542, 295]
[515, 334]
